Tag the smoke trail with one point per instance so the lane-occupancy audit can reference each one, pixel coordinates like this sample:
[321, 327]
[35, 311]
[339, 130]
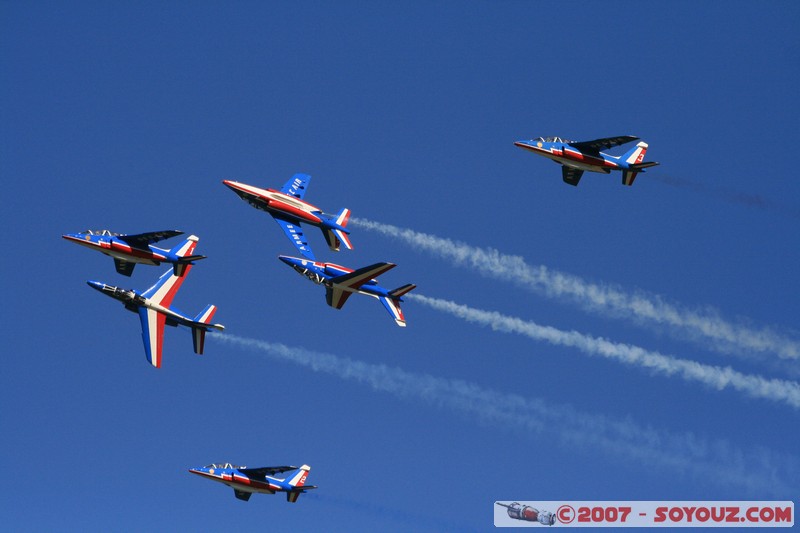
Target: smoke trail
[607, 298]
[759, 470]
[778, 390]
[727, 195]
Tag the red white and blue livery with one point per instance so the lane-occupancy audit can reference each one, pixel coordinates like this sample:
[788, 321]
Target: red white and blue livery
[575, 157]
[127, 250]
[247, 481]
[289, 211]
[153, 307]
[340, 282]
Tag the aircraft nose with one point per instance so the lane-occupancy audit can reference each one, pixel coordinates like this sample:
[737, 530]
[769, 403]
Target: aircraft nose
[289, 260]
[96, 285]
[233, 185]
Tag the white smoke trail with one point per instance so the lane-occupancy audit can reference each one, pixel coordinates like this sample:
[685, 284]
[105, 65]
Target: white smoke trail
[720, 378]
[608, 298]
[759, 470]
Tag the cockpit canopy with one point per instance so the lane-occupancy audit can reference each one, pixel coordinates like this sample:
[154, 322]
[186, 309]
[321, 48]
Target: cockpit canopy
[223, 465]
[101, 232]
[553, 140]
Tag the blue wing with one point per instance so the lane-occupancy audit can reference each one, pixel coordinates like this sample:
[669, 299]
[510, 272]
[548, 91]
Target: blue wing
[297, 185]
[295, 234]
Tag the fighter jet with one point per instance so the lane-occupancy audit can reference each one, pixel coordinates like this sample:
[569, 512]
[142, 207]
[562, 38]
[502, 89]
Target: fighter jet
[575, 157]
[529, 514]
[127, 250]
[152, 306]
[245, 481]
[289, 211]
[340, 282]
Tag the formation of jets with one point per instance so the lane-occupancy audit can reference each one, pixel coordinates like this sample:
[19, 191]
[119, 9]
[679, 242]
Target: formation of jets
[288, 208]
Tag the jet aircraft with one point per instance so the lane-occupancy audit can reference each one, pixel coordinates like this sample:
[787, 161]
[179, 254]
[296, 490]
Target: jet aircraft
[341, 282]
[127, 250]
[576, 157]
[529, 514]
[289, 211]
[152, 306]
[245, 481]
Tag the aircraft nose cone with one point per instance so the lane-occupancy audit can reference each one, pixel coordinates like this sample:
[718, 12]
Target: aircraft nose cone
[232, 185]
[291, 261]
[96, 285]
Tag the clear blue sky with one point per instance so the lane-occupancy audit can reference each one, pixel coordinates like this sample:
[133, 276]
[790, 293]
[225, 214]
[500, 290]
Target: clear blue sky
[128, 118]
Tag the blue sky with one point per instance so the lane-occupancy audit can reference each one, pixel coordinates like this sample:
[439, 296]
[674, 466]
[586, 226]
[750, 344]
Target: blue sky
[129, 118]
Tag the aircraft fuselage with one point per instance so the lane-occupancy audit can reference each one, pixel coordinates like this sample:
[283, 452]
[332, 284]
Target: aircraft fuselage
[277, 203]
[134, 301]
[565, 155]
[322, 273]
[121, 250]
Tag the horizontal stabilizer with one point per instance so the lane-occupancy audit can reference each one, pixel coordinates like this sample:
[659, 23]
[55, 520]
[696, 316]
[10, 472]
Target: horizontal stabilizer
[392, 305]
[190, 258]
[184, 264]
[292, 495]
[400, 291]
[646, 164]
[199, 340]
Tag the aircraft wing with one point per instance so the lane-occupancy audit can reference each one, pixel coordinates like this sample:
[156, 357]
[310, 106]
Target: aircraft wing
[141, 240]
[571, 175]
[594, 147]
[295, 234]
[343, 286]
[262, 472]
[297, 185]
[336, 296]
[152, 334]
[165, 288]
[357, 278]
[124, 267]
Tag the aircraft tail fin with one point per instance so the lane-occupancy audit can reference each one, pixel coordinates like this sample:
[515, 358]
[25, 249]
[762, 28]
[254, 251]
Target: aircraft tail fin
[298, 484]
[636, 163]
[184, 254]
[635, 154]
[336, 234]
[400, 291]
[199, 332]
[299, 479]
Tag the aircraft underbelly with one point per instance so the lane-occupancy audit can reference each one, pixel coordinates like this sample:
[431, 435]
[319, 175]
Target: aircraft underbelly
[294, 215]
[130, 258]
[582, 166]
[248, 488]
